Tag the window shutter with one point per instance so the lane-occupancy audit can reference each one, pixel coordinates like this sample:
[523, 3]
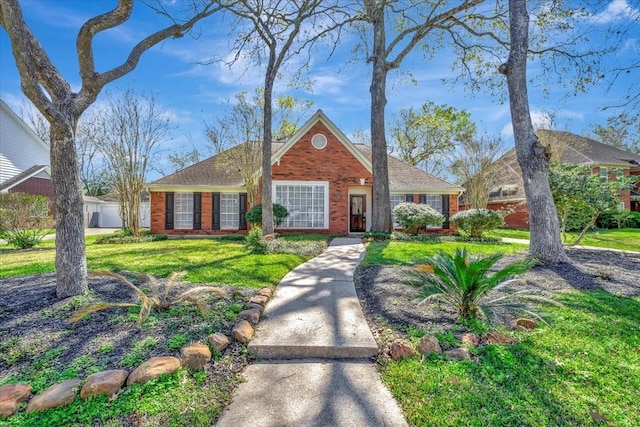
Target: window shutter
[423, 199]
[216, 211]
[242, 211]
[408, 198]
[445, 211]
[197, 211]
[168, 211]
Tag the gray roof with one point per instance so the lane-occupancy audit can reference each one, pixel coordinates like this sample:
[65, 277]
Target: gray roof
[404, 177]
[215, 172]
[23, 176]
[507, 184]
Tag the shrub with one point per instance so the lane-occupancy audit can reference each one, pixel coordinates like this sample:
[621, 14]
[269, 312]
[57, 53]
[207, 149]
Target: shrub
[254, 215]
[123, 237]
[23, 219]
[475, 222]
[304, 247]
[412, 216]
[464, 282]
[158, 298]
[619, 219]
[254, 242]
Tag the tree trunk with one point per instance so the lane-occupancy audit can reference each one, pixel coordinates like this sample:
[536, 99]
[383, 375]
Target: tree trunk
[71, 262]
[267, 200]
[533, 159]
[381, 219]
[587, 227]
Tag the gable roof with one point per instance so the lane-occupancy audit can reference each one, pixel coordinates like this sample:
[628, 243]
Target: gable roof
[23, 176]
[579, 149]
[319, 116]
[507, 183]
[217, 173]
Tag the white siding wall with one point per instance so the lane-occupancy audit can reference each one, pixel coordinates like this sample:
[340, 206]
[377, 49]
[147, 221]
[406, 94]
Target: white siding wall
[19, 150]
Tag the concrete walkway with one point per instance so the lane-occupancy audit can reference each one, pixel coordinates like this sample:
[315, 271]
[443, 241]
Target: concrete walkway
[315, 353]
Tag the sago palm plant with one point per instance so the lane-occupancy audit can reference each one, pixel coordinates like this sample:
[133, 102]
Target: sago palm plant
[158, 298]
[465, 281]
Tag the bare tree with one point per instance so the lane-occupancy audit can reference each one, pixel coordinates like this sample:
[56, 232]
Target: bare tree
[621, 131]
[532, 156]
[53, 96]
[279, 30]
[130, 130]
[472, 167]
[411, 23]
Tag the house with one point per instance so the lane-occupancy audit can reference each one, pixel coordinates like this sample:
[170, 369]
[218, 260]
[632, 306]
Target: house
[323, 179]
[104, 211]
[24, 157]
[507, 188]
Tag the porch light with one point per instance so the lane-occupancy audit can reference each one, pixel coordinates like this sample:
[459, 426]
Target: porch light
[362, 181]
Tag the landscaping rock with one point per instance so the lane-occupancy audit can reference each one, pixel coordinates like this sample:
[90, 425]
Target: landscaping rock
[458, 353]
[11, 396]
[218, 341]
[243, 332]
[252, 315]
[259, 299]
[400, 349]
[61, 394]
[470, 338]
[429, 345]
[153, 368]
[499, 338]
[256, 306]
[195, 355]
[104, 383]
[266, 292]
[524, 325]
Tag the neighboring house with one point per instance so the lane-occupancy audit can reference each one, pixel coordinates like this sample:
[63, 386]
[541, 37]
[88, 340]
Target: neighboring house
[104, 212]
[507, 189]
[24, 157]
[323, 180]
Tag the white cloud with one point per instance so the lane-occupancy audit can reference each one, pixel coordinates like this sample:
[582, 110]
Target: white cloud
[540, 120]
[616, 10]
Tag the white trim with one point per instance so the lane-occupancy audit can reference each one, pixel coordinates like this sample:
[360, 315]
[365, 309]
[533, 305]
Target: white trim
[46, 169]
[319, 141]
[193, 189]
[319, 116]
[324, 184]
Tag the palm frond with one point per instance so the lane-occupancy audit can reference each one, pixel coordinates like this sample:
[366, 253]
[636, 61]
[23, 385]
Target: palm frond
[78, 315]
[99, 273]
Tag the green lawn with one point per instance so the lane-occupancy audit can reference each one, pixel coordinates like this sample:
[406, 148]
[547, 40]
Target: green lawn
[588, 362]
[221, 261]
[627, 239]
[393, 252]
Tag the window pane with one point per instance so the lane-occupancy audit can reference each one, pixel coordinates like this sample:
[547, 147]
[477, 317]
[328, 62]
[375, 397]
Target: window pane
[435, 201]
[305, 203]
[183, 211]
[229, 211]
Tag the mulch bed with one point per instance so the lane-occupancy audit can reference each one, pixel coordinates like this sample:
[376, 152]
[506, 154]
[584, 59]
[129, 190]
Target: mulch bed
[390, 306]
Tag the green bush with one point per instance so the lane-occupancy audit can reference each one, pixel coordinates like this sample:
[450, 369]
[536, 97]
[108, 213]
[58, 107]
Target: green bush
[23, 219]
[123, 237]
[254, 242]
[619, 219]
[254, 215]
[577, 217]
[475, 222]
[412, 217]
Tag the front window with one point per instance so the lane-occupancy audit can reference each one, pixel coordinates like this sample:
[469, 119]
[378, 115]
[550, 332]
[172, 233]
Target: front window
[183, 211]
[434, 200]
[307, 204]
[396, 199]
[229, 211]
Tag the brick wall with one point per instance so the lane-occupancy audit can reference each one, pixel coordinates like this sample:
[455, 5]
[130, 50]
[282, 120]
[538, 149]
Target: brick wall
[334, 164]
[519, 216]
[39, 186]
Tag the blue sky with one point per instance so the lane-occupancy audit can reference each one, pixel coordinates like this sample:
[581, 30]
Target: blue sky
[193, 93]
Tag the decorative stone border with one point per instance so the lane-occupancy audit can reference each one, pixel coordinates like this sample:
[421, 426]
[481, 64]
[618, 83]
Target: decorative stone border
[110, 383]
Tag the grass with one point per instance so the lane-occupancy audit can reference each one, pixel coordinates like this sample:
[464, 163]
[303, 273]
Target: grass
[403, 253]
[218, 260]
[587, 365]
[626, 239]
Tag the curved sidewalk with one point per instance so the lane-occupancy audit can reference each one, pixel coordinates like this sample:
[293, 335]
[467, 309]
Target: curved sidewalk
[315, 353]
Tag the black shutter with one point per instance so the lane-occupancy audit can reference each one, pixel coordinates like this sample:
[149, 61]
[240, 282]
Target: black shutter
[408, 198]
[423, 199]
[215, 197]
[197, 211]
[242, 223]
[445, 211]
[168, 211]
